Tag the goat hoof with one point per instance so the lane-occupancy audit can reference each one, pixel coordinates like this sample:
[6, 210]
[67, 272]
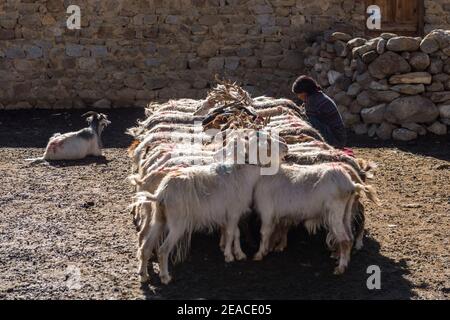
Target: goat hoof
[258, 257]
[143, 278]
[241, 256]
[339, 270]
[165, 279]
[359, 245]
[229, 258]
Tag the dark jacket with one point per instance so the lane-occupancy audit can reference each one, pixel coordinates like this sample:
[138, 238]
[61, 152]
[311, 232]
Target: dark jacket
[325, 116]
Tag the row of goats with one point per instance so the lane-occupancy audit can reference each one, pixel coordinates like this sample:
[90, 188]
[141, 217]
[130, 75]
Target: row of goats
[204, 165]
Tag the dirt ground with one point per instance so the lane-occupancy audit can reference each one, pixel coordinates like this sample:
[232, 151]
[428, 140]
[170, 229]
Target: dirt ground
[65, 231]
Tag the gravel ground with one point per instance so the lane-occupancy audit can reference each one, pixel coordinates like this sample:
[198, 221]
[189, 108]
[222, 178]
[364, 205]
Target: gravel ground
[65, 231]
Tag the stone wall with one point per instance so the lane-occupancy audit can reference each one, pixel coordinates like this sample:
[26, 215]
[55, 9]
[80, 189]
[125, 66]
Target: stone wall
[131, 51]
[387, 87]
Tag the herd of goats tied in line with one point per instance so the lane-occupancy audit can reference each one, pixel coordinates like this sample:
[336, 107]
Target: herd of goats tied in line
[194, 167]
[183, 186]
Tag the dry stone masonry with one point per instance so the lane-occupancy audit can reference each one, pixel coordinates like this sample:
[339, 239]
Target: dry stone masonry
[392, 87]
[129, 52]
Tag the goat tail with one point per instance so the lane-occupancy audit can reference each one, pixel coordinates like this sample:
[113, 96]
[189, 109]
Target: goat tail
[369, 191]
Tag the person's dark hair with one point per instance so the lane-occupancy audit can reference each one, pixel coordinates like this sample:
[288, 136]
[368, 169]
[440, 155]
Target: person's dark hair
[305, 84]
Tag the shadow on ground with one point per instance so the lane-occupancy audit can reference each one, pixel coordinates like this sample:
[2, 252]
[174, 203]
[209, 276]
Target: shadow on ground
[33, 128]
[82, 162]
[303, 271]
[430, 145]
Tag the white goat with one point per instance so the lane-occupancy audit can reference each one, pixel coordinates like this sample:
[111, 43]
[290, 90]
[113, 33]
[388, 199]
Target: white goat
[79, 144]
[142, 215]
[171, 128]
[259, 103]
[194, 198]
[179, 108]
[188, 199]
[278, 240]
[237, 149]
[321, 194]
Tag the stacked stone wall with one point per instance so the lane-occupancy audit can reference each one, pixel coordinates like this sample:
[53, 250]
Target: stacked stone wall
[129, 52]
[390, 86]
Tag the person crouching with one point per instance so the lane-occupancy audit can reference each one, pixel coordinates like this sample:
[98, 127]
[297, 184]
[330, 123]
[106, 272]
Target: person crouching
[321, 110]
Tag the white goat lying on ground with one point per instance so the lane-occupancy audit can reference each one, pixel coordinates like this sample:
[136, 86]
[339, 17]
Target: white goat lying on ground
[320, 194]
[79, 144]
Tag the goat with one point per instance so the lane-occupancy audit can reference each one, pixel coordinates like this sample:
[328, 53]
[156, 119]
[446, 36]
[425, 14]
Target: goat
[358, 169]
[313, 146]
[194, 198]
[296, 130]
[237, 149]
[164, 118]
[79, 144]
[172, 128]
[278, 240]
[272, 112]
[151, 181]
[259, 103]
[323, 194]
[170, 137]
[170, 117]
[323, 156]
[179, 107]
[190, 198]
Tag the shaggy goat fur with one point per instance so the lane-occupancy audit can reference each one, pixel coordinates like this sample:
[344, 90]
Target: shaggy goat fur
[195, 198]
[322, 193]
